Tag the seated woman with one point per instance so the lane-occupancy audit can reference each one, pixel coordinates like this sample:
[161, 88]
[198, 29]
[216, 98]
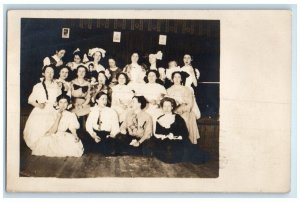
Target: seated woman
[58, 141]
[80, 91]
[42, 98]
[185, 100]
[136, 130]
[77, 61]
[153, 92]
[122, 95]
[63, 80]
[193, 73]
[101, 85]
[102, 124]
[170, 142]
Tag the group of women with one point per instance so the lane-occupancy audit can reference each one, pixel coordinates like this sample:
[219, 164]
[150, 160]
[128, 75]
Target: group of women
[82, 107]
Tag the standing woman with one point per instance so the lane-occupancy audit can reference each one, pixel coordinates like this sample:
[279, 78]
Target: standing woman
[113, 71]
[55, 59]
[42, 98]
[63, 80]
[101, 86]
[61, 139]
[80, 91]
[122, 95]
[136, 73]
[193, 74]
[191, 81]
[153, 92]
[185, 101]
[96, 54]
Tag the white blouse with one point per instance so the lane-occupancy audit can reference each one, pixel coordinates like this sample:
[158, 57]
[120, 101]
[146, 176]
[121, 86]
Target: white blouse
[39, 94]
[47, 61]
[108, 118]
[170, 71]
[153, 91]
[68, 121]
[121, 94]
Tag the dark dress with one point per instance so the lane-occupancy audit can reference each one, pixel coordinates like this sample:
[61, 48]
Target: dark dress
[176, 150]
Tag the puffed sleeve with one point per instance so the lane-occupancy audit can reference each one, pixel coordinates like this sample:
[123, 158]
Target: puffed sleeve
[34, 96]
[73, 122]
[46, 61]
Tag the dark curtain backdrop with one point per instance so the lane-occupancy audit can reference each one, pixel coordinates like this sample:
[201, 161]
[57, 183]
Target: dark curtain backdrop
[201, 38]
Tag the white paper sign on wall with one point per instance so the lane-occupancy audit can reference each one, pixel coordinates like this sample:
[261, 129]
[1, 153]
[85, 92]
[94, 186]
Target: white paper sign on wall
[117, 37]
[162, 40]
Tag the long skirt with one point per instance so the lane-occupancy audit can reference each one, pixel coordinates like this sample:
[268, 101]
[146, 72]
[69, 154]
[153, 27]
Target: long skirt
[60, 144]
[38, 123]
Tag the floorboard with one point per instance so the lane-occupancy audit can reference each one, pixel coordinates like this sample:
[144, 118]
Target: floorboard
[96, 165]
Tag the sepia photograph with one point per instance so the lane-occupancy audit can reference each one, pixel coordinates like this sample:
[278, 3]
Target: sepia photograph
[148, 101]
[143, 107]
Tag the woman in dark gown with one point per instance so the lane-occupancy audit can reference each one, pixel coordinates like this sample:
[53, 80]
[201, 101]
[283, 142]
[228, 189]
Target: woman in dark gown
[171, 142]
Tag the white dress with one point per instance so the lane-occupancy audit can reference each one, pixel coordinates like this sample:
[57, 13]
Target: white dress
[121, 96]
[136, 75]
[40, 120]
[61, 143]
[194, 75]
[170, 71]
[154, 91]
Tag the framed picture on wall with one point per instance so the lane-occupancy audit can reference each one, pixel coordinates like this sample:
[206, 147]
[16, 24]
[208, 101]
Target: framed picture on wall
[195, 110]
[65, 33]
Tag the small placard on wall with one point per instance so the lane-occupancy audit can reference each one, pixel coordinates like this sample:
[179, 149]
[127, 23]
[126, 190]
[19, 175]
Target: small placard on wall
[65, 33]
[117, 37]
[162, 40]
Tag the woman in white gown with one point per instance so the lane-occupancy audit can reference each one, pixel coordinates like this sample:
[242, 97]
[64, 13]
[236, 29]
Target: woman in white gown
[136, 74]
[61, 139]
[122, 96]
[42, 98]
[191, 81]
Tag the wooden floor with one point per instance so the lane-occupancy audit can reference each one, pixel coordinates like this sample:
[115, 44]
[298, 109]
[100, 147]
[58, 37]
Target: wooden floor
[96, 165]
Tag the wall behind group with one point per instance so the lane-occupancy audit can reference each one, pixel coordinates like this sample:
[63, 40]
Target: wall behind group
[200, 38]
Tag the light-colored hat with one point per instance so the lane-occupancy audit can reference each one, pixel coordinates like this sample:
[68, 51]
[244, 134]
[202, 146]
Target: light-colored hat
[94, 50]
[75, 51]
